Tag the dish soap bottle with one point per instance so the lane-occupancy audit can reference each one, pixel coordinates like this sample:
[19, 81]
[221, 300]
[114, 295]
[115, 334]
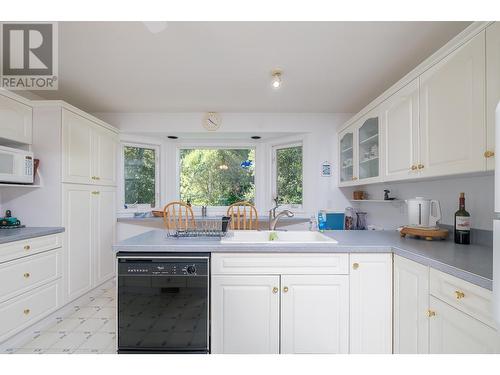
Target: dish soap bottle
[321, 221]
[462, 223]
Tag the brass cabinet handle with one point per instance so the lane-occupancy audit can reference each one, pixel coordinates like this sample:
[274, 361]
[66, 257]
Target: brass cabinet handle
[26, 311]
[97, 178]
[489, 154]
[285, 289]
[95, 192]
[27, 247]
[354, 178]
[413, 167]
[431, 313]
[459, 294]
[420, 166]
[275, 290]
[355, 266]
[26, 275]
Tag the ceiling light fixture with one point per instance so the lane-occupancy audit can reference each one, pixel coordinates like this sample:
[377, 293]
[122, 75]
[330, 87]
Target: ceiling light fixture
[276, 80]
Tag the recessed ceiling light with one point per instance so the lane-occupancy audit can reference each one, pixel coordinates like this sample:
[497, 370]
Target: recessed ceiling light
[172, 137]
[256, 137]
[276, 78]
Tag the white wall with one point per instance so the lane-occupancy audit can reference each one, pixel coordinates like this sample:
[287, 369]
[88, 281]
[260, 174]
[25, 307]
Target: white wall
[479, 198]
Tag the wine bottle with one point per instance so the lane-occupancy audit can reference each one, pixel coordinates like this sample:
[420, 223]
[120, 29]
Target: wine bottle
[462, 223]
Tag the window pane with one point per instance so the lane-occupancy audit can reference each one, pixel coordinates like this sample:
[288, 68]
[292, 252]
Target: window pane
[217, 177]
[289, 175]
[139, 171]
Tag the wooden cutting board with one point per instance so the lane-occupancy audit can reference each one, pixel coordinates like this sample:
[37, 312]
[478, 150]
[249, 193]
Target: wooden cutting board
[428, 234]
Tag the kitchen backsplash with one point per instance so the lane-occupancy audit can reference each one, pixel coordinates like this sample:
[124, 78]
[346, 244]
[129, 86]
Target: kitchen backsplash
[479, 200]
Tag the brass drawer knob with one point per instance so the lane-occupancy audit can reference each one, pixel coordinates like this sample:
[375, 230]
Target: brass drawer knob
[95, 192]
[459, 294]
[285, 289]
[275, 290]
[355, 266]
[26, 311]
[354, 178]
[420, 166]
[431, 313]
[26, 275]
[413, 167]
[27, 247]
[489, 154]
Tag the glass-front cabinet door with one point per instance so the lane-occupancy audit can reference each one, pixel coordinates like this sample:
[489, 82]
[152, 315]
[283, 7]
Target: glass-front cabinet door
[347, 163]
[368, 148]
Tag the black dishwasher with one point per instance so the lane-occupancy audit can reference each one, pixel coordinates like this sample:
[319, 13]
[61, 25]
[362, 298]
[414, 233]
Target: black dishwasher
[163, 303]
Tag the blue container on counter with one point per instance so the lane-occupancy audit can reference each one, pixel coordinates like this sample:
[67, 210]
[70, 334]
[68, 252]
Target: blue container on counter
[329, 220]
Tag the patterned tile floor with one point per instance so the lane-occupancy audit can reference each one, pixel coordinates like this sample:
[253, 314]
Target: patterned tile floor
[89, 329]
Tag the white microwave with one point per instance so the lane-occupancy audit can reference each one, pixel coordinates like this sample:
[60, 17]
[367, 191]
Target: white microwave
[16, 166]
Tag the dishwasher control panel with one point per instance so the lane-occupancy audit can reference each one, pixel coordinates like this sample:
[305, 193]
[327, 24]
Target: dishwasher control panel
[186, 267]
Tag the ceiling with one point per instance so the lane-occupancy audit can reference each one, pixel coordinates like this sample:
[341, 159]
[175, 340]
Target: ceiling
[226, 66]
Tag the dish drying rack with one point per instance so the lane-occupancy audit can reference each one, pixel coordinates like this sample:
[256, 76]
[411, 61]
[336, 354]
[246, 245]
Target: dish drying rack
[201, 227]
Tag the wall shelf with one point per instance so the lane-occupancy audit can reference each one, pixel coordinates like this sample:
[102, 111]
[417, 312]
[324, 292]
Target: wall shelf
[376, 200]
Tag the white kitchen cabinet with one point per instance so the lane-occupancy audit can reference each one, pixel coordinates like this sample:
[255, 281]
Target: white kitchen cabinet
[79, 217]
[315, 314]
[452, 112]
[105, 156]
[370, 303]
[245, 314]
[454, 332]
[89, 151]
[400, 124]
[347, 165]
[411, 304]
[492, 89]
[104, 229]
[359, 151]
[16, 121]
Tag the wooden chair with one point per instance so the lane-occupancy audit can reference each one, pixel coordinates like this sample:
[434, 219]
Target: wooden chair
[178, 215]
[243, 216]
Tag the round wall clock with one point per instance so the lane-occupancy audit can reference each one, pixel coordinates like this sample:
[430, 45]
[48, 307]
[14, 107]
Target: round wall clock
[211, 121]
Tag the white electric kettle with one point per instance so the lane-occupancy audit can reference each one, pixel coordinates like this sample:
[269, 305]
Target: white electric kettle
[423, 213]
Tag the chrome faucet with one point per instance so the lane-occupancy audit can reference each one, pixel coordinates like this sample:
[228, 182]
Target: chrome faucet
[273, 217]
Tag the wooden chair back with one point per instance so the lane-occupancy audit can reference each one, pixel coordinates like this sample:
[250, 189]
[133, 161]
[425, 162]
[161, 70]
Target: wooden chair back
[243, 216]
[178, 215]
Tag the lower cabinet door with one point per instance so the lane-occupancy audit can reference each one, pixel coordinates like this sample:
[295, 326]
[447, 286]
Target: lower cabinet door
[370, 303]
[104, 258]
[78, 216]
[315, 314]
[245, 314]
[454, 332]
[411, 302]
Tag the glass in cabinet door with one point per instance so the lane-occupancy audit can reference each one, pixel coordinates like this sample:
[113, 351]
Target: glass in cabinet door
[346, 157]
[369, 148]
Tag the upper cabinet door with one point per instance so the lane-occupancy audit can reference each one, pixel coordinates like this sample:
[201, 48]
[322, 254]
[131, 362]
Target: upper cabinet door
[452, 112]
[368, 148]
[492, 89]
[371, 303]
[347, 163]
[315, 314]
[16, 121]
[78, 147]
[245, 314]
[399, 116]
[105, 157]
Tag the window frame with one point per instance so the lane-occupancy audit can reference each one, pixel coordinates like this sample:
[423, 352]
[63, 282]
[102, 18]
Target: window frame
[274, 174]
[150, 146]
[217, 210]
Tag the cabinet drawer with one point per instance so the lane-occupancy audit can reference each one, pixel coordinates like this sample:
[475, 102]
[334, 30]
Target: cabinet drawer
[27, 309]
[28, 273]
[19, 249]
[467, 297]
[294, 264]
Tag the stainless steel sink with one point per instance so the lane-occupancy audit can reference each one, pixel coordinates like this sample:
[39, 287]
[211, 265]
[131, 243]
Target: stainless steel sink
[268, 237]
